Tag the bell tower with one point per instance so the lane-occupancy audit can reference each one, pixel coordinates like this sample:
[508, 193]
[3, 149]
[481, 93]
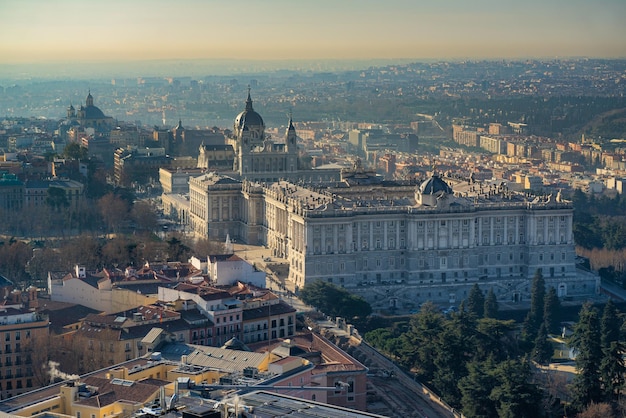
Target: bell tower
[291, 140]
[291, 147]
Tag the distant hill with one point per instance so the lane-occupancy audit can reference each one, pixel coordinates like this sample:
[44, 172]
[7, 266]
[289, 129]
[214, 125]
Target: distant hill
[608, 125]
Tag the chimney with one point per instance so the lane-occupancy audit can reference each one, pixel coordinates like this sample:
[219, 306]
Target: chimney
[16, 296]
[81, 272]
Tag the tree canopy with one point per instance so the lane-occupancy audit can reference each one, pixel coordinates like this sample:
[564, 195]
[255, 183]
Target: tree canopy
[534, 319]
[612, 367]
[599, 222]
[334, 300]
[470, 362]
[491, 305]
[586, 340]
[476, 302]
[75, 151]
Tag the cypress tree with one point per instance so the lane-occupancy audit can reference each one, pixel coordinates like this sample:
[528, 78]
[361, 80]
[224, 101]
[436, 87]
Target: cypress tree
[552, 312]
[537, 299]
[612, 366]
[514, 396]
[476, 387]
[587, 386]
[476, 301]
[610, 324]
[534, 319]
[491, 305]
[543, 350]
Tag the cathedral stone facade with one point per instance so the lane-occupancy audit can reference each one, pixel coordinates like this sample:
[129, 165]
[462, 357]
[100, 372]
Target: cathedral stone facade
[258, 157]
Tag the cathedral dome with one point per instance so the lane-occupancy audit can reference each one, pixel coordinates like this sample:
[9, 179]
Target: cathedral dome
[93, 112]
[89, 111]
[248, 118]
[434, 185]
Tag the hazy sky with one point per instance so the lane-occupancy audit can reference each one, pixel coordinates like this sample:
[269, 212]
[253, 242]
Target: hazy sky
[84, 30]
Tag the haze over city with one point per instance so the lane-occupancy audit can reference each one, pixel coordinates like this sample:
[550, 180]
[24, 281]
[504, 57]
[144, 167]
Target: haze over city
[329, 200]
[71, 31]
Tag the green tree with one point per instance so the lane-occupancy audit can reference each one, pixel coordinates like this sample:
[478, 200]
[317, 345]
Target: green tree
[587, 235]
[452, 355]
[177, 250]
[534, 319]
[56, 198]
[514, 396]
[537, 298]
[611, 324]
[334, 300]
[97, 185]
[384, 339]
[419, 344]
[491, 305]
[450, 365]
[493, 339]
[75, 151]
[476, 388]
[476, 301]
[585, 340]
[612, 367]
[552, 312]
[543, 350]
[354, 306]
[579, 199]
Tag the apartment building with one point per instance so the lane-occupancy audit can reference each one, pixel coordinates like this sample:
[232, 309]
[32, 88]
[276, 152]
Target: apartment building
[22, 330]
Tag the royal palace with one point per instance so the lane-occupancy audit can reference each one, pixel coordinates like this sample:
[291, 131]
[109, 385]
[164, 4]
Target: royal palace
[397, 243]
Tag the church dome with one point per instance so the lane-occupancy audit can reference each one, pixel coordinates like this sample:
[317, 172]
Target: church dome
[248, 118]
[434, 185]
[89, 111]
[93, 112]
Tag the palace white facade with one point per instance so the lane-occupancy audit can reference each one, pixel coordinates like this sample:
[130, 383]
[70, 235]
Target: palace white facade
[400, 243]
[395, 243]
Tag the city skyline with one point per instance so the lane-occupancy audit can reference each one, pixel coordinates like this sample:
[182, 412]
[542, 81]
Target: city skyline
[76, 31]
